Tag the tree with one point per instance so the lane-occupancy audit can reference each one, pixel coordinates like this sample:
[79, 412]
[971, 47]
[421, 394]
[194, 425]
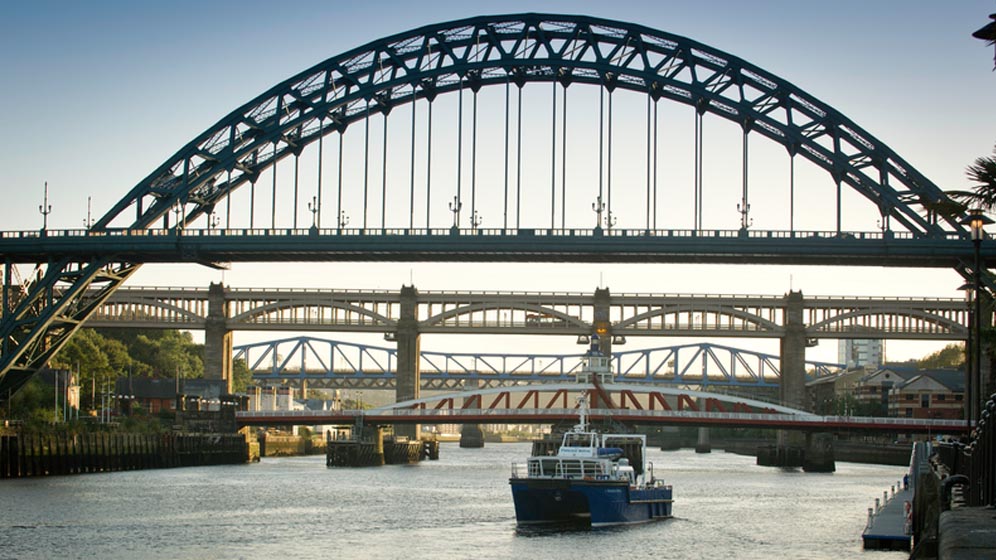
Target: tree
[982, 173]
[168, 353]
[951, 356]
[241, 376]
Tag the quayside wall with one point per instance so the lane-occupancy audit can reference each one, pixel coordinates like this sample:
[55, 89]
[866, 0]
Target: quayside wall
[33, 454]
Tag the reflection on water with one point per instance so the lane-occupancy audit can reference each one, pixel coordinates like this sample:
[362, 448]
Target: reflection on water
[457, 507]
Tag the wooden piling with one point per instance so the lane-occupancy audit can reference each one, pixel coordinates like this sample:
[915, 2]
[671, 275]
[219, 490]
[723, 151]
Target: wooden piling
[32, 454]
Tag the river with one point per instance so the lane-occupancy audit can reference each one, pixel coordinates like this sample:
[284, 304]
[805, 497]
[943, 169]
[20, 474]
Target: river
[457, 507]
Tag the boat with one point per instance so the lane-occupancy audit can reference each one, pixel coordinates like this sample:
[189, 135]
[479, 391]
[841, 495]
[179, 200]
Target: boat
[594, 479]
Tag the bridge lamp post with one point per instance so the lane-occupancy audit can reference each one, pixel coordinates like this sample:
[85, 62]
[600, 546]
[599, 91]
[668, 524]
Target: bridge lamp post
[45, 209]
[598, 207]
[178, 211]
[455, 207]
[313, 208]
[976, 221]
[88, 222]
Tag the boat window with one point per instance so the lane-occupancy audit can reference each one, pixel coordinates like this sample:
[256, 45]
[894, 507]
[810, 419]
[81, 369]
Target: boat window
[578, 440]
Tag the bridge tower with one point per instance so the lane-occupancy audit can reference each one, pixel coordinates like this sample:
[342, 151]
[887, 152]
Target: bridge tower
[218, 338]
[408, 338]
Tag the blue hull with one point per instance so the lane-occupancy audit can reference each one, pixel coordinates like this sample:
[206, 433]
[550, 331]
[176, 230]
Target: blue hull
[599, 503]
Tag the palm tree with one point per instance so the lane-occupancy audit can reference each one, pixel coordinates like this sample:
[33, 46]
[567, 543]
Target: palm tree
[982, 172]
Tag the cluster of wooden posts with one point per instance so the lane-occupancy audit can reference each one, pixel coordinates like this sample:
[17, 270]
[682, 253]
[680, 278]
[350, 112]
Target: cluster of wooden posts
[29, 454]
[374, 450]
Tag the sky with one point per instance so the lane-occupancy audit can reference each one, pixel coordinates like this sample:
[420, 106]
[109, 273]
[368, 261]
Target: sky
[97, 94]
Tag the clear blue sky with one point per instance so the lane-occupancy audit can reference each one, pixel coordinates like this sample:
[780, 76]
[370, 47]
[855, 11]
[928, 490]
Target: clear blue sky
[97, 94]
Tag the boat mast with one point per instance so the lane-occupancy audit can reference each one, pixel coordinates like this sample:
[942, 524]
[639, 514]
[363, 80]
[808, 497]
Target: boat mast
[583, 411]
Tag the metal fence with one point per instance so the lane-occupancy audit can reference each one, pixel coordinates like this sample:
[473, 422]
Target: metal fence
[977, 460]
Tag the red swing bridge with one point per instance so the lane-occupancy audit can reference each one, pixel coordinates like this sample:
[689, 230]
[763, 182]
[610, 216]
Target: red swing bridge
[629, 404]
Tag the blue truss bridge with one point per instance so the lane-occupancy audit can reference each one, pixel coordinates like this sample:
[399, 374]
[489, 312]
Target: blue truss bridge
[326, 363]
[524, 137]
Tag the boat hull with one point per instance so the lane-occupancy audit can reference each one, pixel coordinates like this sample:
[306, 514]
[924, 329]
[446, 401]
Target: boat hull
[598, 503]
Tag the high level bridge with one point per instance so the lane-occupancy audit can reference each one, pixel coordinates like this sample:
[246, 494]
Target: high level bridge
[414, 147]
[409, 312]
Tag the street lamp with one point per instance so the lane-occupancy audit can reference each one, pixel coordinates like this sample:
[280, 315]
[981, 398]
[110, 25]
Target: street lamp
[969, 289]
[976, 221]
[987, 32]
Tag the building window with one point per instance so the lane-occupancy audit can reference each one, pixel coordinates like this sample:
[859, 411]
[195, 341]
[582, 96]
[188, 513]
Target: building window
[940, 398]
[909, 413]
[925, 401]
[960, 397]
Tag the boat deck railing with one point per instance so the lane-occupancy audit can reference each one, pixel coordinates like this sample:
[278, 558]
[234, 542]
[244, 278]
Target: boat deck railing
[556, 467]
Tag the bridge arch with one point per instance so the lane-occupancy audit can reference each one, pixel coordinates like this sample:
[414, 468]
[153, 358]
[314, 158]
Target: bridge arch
[746, 317]
[566, 319]
[516, 49]
[251, 315]
[945, 324]
[143, 308]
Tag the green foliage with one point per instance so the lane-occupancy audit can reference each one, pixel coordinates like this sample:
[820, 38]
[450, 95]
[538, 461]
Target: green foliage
[33, 404]
[951, 356]
[241, 376]
[167, 353]
[100, 357]
[982, 172]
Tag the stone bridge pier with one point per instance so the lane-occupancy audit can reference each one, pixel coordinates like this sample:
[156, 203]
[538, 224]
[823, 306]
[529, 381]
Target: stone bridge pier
[218, 338]
[812, 452]
[409, 377]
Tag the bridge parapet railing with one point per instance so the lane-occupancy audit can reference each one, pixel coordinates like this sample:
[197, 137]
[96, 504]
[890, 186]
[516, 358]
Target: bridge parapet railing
[723, 234]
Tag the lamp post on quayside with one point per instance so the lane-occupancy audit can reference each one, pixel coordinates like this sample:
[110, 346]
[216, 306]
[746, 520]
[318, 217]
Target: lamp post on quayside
[976, 221]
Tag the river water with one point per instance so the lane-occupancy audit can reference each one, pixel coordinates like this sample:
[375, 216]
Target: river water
[457, 507]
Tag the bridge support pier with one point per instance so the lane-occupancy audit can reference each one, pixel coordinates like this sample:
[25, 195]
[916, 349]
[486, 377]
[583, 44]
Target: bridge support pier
[217, 338]
[471, 435]
[409, 377]
[790, 446]
[819, 456]
[703, 445]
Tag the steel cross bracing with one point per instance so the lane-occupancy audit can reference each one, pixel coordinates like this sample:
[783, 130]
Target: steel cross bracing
[563, 313]
[323, 363]
[78, 269]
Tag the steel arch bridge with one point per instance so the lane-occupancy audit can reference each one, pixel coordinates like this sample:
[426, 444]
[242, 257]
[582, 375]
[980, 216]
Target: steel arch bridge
[79, 269]
[325, 363]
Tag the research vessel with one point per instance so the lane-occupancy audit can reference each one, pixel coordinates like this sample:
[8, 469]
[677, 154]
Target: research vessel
[593, 479]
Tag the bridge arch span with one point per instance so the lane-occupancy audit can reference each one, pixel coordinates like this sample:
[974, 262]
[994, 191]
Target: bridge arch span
[517, 49]
[845, 322]
[747, 318]
[564, 318]
[257, 314]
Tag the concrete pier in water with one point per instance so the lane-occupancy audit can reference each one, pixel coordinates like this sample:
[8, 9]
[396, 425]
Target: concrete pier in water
[373, 449]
